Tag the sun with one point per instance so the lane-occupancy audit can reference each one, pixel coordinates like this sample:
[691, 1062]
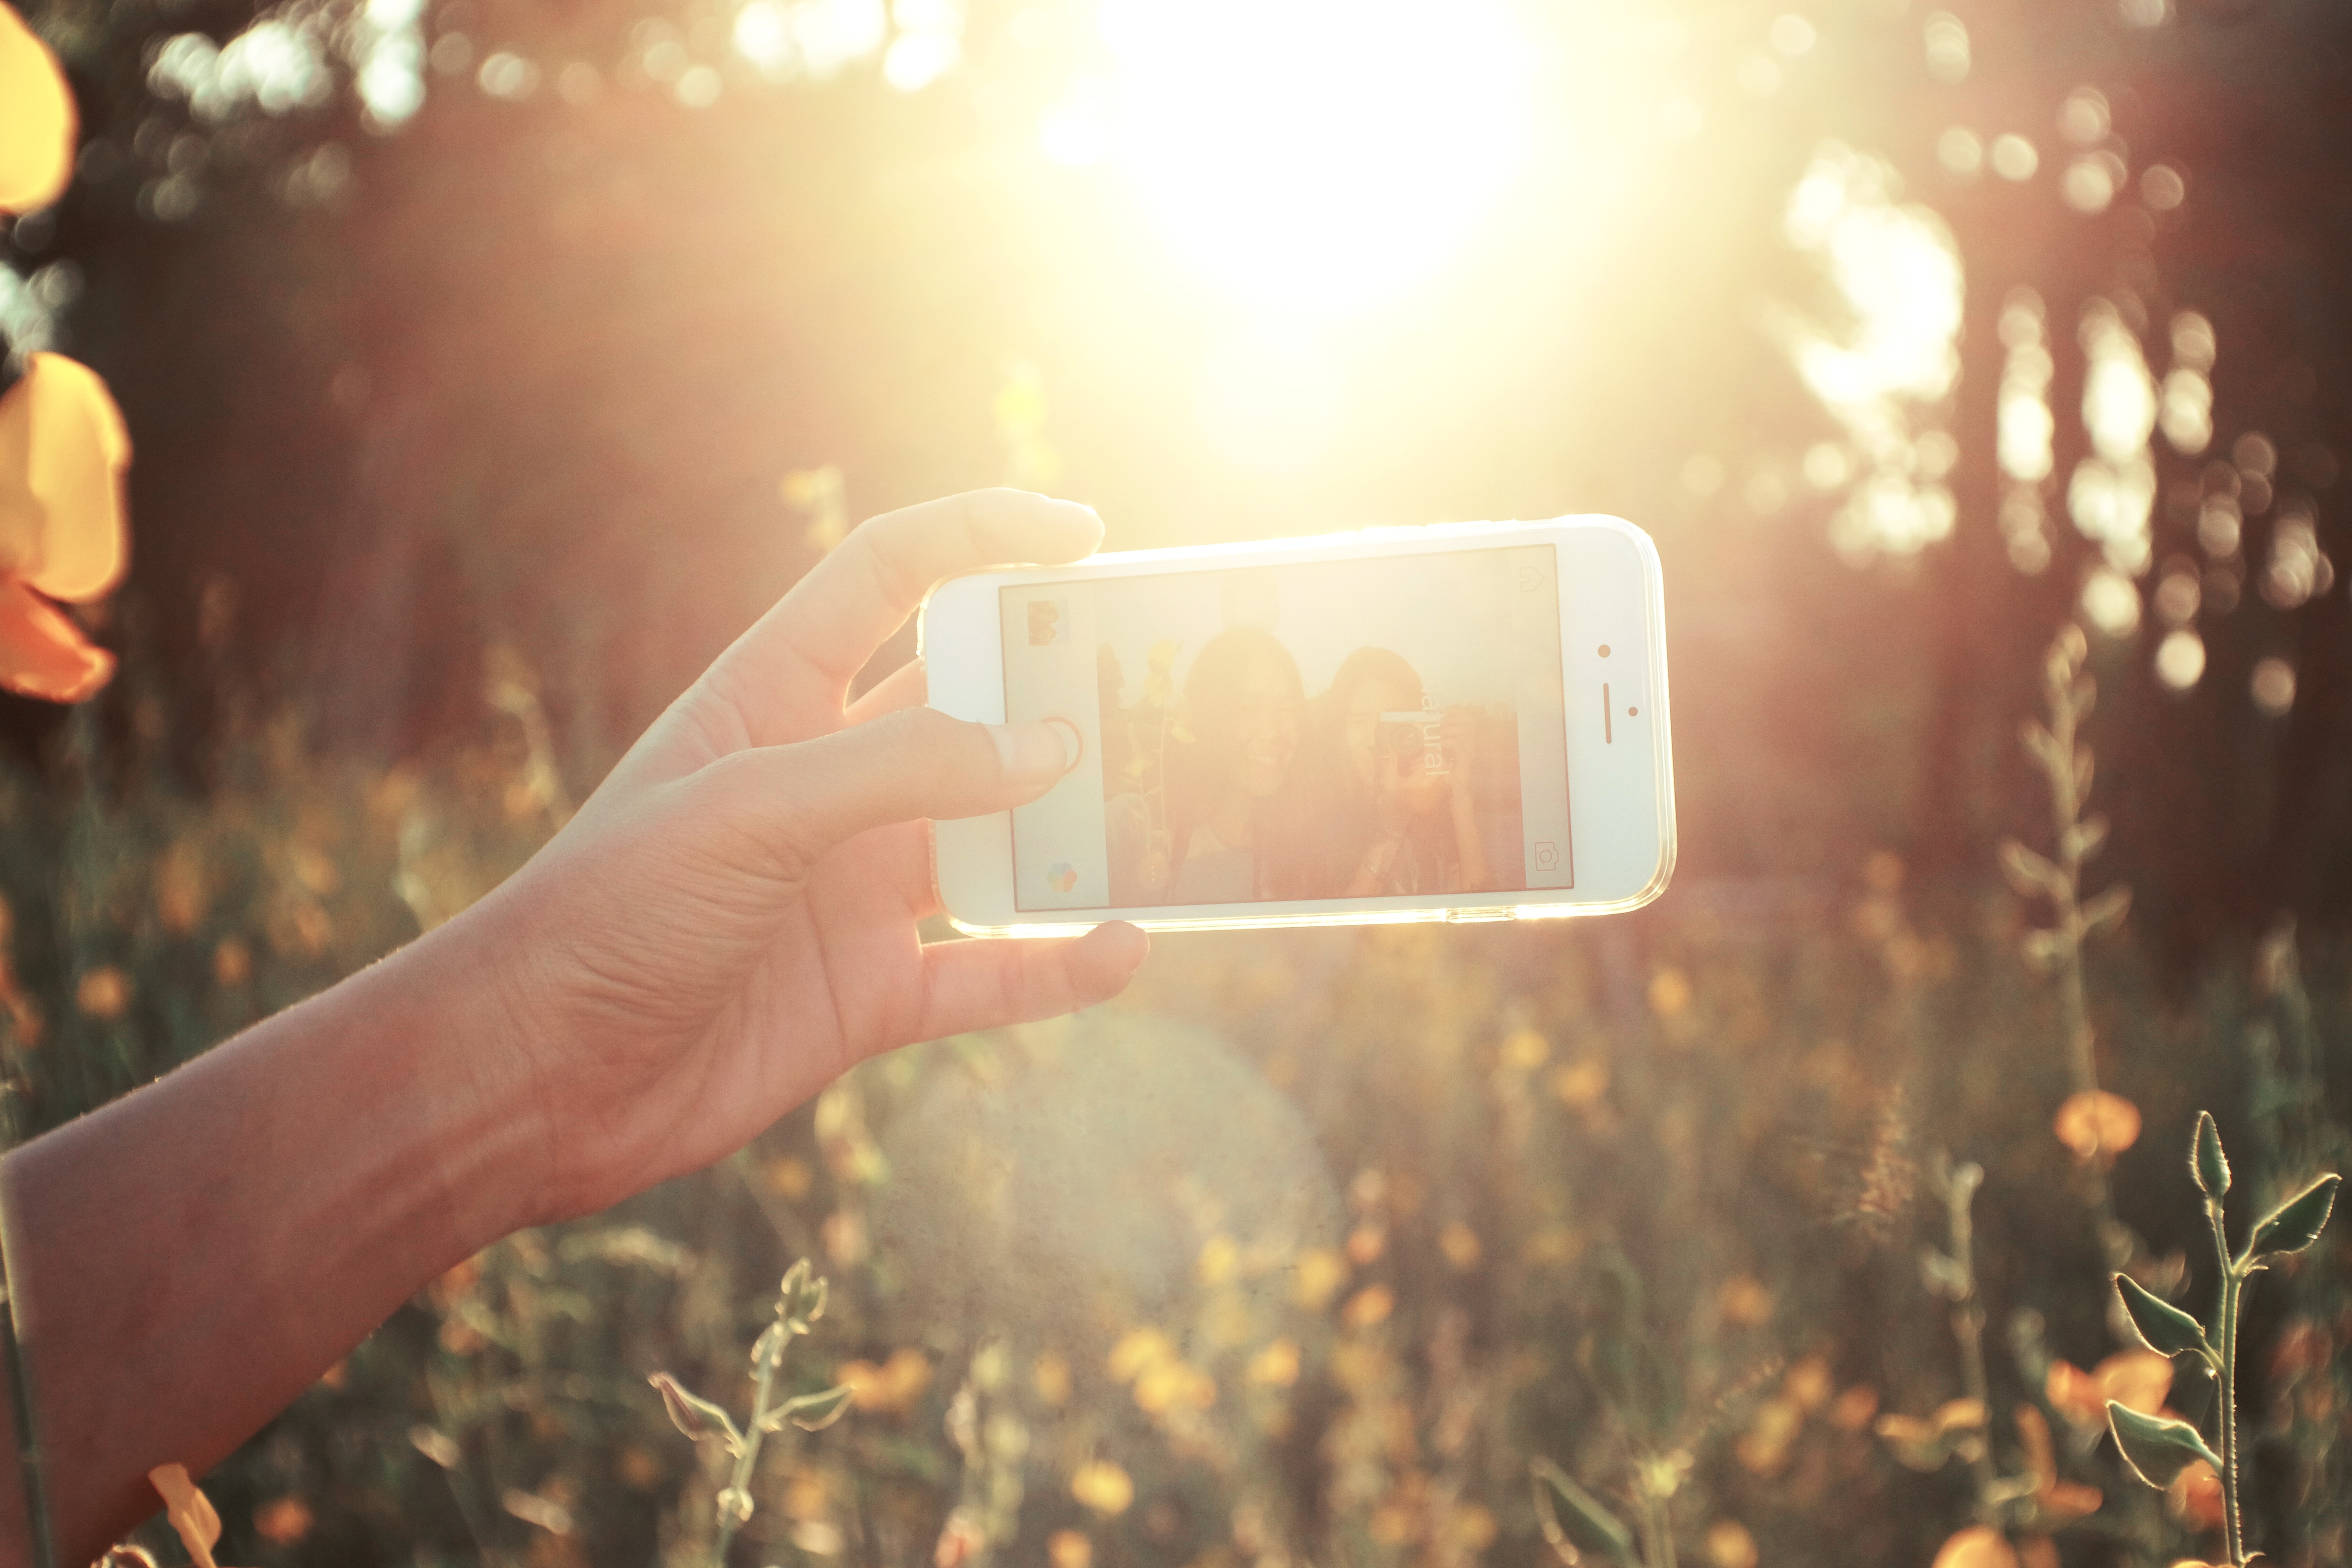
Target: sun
[1316, 156]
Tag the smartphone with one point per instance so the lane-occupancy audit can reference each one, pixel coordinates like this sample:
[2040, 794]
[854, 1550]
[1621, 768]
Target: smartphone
[1458, 722]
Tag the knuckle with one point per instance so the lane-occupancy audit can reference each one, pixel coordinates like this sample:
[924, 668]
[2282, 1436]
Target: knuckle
[932, 738]
[895, 555]
[764, 820]
[953, 759]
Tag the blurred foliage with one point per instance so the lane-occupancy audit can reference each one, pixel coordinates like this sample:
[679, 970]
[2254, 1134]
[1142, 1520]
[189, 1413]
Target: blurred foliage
[1776, 1219]
[1301, 1252]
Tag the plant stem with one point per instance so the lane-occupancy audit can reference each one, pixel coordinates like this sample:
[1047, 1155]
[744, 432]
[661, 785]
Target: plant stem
[1968, 1309]
[741, 1484]
[2233, 1285]
[2074, 996]
[1657, 1531]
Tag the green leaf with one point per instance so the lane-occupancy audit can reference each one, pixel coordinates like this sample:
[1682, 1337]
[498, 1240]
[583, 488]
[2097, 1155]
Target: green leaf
[2157, 1447]
[695, 1416]
[2194, 1385]
[2205, 1161]
[1576, 1524]
[809, 1412]
[2163, 1327]
[2296, 1223]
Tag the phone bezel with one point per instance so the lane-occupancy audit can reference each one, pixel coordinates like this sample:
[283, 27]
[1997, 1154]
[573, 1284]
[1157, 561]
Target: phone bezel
[1622, 822]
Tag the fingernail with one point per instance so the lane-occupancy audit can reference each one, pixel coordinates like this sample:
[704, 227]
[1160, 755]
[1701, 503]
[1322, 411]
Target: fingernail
[1031, 753]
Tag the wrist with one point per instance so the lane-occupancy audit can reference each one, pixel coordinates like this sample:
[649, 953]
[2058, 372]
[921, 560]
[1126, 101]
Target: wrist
[442, 1011]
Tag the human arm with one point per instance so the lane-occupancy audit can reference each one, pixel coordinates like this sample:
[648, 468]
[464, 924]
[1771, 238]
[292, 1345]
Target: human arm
[725, 925]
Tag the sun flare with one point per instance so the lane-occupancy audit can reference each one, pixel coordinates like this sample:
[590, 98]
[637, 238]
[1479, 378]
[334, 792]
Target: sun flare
[1310, 155]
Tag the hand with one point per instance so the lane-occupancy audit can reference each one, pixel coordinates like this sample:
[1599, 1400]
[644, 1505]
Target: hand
[1393, 805]
[1458, 734]
[730, 922]
[1411, 790]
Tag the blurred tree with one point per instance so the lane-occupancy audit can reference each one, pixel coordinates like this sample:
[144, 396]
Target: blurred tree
[442, 324]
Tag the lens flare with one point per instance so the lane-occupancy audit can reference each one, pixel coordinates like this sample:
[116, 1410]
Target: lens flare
[1313, 154]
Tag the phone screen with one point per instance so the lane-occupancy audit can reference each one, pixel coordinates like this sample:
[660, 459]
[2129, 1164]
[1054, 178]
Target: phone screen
[1367, 728]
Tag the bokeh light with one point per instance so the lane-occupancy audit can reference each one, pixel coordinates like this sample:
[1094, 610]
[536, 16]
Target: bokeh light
[2110, 601]
[2112, 491]
[2273, 686]
[1890, 366]
[2181, 660]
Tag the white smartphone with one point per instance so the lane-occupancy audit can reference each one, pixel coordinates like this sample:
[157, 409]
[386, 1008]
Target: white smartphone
[1460, 722]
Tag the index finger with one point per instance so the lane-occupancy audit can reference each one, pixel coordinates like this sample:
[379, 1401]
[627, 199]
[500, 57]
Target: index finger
[788, 675]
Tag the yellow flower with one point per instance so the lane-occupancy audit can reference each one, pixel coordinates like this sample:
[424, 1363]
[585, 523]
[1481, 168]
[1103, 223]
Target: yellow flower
[1729, 1545]
[1370, 1305]
[36, 121]
[2096, 1125]
[104, 993]
[1979, 1546]
[63, 450]
[1103, 1487]
[1276, 1366]
[895, 1385]
[1138, 1351]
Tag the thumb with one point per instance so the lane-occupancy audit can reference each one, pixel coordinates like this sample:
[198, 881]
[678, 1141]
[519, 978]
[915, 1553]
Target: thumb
[798, 801]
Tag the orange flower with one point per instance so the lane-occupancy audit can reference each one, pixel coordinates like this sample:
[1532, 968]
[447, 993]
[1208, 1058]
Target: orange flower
[36, 121]
[1979, 1546]
[284, 1521]
[63, 450]
[2058, 1501]
[2097, 1125]
[189, 1512]
[2196, 1496]
[2137, 1380]
[895, 1385]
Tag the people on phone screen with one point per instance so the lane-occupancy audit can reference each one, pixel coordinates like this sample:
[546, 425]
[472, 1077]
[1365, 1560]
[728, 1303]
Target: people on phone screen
[1396, 823]
[1247, 790]
[1200, 827]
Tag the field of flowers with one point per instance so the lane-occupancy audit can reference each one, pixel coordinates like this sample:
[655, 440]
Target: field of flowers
[1774, 1223]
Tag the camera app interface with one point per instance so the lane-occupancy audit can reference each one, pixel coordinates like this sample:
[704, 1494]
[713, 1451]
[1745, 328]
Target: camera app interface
[1327, 730]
